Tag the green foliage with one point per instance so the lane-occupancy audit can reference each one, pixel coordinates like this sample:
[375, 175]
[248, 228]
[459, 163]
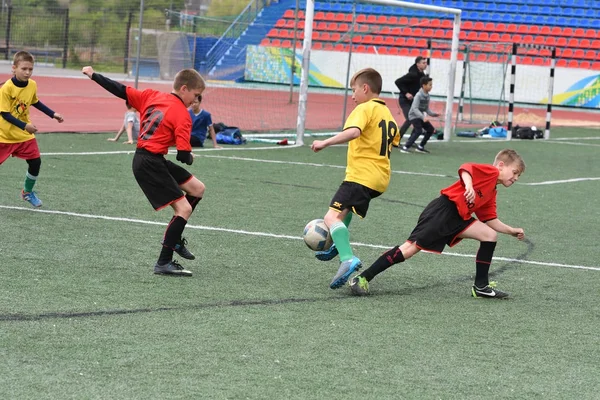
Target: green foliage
[225, 8]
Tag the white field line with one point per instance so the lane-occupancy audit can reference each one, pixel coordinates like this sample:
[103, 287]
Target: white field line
[560, 181]
[273, 235]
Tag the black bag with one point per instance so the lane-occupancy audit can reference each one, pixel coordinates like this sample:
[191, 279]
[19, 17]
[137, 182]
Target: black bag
[526, 132]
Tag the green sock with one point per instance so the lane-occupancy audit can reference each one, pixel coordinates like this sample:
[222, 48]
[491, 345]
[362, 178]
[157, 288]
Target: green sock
[348, 219]
[29, 182]
[341, 238]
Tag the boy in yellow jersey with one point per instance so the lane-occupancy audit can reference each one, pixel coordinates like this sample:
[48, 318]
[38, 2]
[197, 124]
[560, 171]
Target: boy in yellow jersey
[369, 132]
[17, 137]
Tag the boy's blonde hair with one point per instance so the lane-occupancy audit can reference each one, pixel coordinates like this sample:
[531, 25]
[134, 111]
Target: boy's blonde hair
[22, 56]
[370, 77]
[190, 78]
[510, 157]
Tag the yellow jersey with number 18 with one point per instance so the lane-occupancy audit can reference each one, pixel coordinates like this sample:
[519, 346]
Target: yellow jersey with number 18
[16, 100]
[369, 154]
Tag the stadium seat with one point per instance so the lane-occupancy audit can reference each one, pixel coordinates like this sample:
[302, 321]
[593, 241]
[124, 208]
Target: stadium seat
[264, 42]
[404, 52]
[573, 64]
[371, 19]
[527, 39]
[500, 28]
[561, 42]
[539, 40]
[495, 37]
[590, 55]
[418, 32]
[511, 28]
[585, 43]
[483, 36]
[287, 14]
[421, 43]
[523, 29]
[340, 17]
[367, 39]
[585, 64]
[435, 23]
[286, 43]
[274, 42]
[399, 41]
[566, 53]
[545, 30]
[321, 26]
[447, 24]
[428, 33]
[481, 57]
[534, 30]
[273, 33]
[436, 54]
[415, 52]
[393, 20]
[411, 42]
[526, 60]
[493, 58]
[538, 61]
[568, 31]
[472, 36]
[281, 23]
[556, 31]
[561, 63]
[573, 42]
[378, 40]
[439, 34]
[319, 15]
[328, 46]
[591, 34]
[596, 65]
[517, 39]
[396, 31]
[315, 46]
[489, 27]
[595, 44]
[478, 26]
[467, 25]
[393, 51]
[390, 41]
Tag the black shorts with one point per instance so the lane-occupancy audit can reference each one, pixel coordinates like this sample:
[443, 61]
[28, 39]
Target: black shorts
[353, 196]
[159, 178]
[439, 225]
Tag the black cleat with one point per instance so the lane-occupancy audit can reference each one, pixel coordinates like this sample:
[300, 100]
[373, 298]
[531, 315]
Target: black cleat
[182, 250]
[171, 268]
[489, 292]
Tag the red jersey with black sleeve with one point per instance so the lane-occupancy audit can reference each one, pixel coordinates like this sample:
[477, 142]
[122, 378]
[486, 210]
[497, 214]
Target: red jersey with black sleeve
[485, 178]
[165, 120]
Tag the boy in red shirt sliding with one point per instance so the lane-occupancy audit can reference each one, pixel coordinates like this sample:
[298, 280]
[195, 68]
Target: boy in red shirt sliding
[447, 220]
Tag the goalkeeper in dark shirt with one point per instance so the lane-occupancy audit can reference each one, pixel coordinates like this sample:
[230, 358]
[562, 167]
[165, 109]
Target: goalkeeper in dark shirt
[165, 122]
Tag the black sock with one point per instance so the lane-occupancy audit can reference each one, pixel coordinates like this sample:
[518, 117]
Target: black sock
[387, 259]
[193, 200]
[482, 263]
[172, 237]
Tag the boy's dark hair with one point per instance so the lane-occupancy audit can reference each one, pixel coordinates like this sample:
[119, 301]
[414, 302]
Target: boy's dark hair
[419, 59]
[370, 77]
[425, 80]
[190, 78]
[22, 56]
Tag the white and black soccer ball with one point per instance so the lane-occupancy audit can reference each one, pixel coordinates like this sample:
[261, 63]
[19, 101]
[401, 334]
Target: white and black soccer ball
[316, 235]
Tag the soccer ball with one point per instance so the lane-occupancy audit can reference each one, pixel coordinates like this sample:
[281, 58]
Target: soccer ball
[316, 235]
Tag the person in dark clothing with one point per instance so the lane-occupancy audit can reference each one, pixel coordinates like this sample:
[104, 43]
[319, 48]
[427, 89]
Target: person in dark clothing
[409, 85]
[165, 122]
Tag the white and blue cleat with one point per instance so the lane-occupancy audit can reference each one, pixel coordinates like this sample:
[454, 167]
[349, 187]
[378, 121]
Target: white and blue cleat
[347, 268]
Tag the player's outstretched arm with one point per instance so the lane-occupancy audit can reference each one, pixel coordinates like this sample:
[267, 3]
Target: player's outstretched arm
[342, 137]
[501, 227]
[114, 87]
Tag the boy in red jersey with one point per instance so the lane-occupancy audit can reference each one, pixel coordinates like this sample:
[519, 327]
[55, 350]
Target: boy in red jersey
[448, 220]
[165, 122]
[17, 137]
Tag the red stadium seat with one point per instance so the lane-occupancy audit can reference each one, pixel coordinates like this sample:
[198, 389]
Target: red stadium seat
[378, 40]
[371, 19]
[573, 64]
[585, 64]
[478, 26]
[472, 35]
[381, 50]
[523, 29]
[567, 31]
[390, 41]
[421, 43]
[265, 42]
[481, 57]
[561, 42]
[382, 20]
[534, 30]
[527, 39]
[493, 58]
[495, 37]
[415, 52]
[286, 43]
[556, 31]
[511, 28]
[579, 32]
[393, 20]
[591, 34]
[447, 24]
[439, 34]
[435, 23]
[339, 17]
[319, 15]
[517, 38]
[590, 55]
[335, 37]
[325, 36]
[561, 63]
[402, 21]
[436, 54]
[539, 40]
[396, 31]
[315, 46]
[329, 16]
[413, 21]
[321, 26]
[526, 60]
[281, 23]
[538, 61]
[506, 38]
[500, 28]
[404, 52]
[367, 39]
[483, 36]
[428, 33]
[393, 51]
[328, 46]
[418, 32]
[545, 30]
[490, 27]
[550, 41]
[596, 65]
[595, 44]
[339, 47]
[274, 42]
[585, 43]
[273, 33]
[472, 56]
[573, 42]
[287, 14]
[399, 41]
[343, 27]
[361, 18]
[467, 26]
[566, 53]
[545, 53]
[386, 30]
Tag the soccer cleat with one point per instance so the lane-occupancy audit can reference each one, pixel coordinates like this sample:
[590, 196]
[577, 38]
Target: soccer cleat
[183, 251]
[346, 269]
[328, 254]
[489, 292]
[405, 150]
[422, 150]
[32, 198]
[171, 268]
[359, 286]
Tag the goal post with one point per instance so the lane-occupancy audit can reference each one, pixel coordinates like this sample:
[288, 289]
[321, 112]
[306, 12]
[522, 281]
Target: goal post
[309, 19]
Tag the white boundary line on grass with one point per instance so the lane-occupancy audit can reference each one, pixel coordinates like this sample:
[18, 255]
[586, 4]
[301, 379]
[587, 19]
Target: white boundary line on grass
[572, 180]
[273, 235]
